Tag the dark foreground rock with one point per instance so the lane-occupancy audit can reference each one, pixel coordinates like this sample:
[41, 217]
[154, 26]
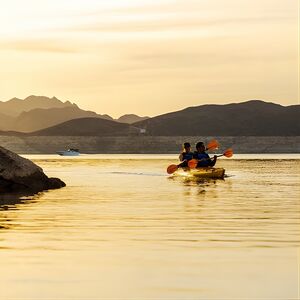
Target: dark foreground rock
[18, 174]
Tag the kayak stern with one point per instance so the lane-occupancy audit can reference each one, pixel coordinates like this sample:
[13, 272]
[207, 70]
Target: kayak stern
[209, 172]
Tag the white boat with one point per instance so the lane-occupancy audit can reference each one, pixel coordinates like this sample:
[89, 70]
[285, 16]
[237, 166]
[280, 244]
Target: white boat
[69, 152]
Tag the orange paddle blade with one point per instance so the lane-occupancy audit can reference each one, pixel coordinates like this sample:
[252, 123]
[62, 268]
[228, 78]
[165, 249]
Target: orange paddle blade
[228, 153]
[212, 145]
[171, 169]
[193, 163]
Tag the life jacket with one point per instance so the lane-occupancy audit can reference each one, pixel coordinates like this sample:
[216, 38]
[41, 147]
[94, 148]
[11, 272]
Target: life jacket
[204, 159]
[187, 156]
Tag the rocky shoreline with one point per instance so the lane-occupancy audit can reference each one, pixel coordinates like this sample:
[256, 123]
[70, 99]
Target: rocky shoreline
[20, 175]
[146, 144]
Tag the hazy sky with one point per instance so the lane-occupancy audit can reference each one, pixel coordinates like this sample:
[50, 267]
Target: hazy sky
[149, 57]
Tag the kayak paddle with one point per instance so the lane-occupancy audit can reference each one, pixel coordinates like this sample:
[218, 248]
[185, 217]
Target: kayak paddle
[212, 145]
[171, 169]
[193, 162]
[228, 153]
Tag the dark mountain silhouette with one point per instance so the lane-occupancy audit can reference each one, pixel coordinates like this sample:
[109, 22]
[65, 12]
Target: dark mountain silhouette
[11, 133]
[15, 106]
[6, 122]
[38, 112]
[131, 118]
[37, 119]
[88, 127]
[252, 118]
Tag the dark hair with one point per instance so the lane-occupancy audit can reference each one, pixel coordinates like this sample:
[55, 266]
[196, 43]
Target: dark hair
[186, 145]
[199, 144]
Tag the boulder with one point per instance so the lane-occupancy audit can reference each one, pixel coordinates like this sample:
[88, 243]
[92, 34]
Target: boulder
[18, 174]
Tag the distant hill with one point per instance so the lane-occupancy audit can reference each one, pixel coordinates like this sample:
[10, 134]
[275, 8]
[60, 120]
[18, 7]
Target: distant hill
[6, 122]
[15, 106]
[252, 118]
[131, 118]
[38, 112]
[11, 133]
[38, 119]
[88, 127]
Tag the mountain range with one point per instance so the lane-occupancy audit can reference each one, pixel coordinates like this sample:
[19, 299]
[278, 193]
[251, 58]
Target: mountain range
[38, 112]
[42, 116]
[88, 127]
[251, 118]
[15, 106]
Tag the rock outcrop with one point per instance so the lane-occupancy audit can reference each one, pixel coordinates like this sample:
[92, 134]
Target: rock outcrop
[18, 174]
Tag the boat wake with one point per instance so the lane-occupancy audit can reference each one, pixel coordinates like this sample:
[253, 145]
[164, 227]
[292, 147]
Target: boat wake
[228, 176]
[137, 173]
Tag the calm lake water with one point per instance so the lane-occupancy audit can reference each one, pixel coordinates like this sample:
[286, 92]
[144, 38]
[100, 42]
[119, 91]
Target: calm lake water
[123, 229]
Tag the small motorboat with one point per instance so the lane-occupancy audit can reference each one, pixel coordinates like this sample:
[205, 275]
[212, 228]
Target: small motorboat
[69, 152]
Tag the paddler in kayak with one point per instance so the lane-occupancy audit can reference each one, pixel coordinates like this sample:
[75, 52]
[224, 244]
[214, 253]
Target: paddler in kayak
[185, 156]
[203, 158]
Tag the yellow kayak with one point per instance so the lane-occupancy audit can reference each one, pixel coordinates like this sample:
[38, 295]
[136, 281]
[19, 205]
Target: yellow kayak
[209, 172]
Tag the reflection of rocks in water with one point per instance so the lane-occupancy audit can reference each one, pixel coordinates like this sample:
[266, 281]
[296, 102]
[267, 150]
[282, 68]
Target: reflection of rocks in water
[10, 202]
[20, 175]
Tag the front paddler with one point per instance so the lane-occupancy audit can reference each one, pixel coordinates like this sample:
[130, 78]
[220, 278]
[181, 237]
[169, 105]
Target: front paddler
[185, 156]
[203, 158]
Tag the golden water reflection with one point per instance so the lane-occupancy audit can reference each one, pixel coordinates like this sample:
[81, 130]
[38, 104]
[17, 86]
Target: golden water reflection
[123, 229]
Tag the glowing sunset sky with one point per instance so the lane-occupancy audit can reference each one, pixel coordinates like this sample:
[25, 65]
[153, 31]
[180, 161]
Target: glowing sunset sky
[149, 57]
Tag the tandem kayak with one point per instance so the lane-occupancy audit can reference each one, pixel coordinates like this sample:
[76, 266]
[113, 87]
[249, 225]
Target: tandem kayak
[209, 172]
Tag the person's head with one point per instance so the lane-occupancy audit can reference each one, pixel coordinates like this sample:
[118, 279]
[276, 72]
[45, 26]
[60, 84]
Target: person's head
[187, 147]
[200, 147]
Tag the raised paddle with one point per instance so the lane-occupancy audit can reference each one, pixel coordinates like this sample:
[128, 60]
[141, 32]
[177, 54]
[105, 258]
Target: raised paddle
[194, 162]
[212, 145]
